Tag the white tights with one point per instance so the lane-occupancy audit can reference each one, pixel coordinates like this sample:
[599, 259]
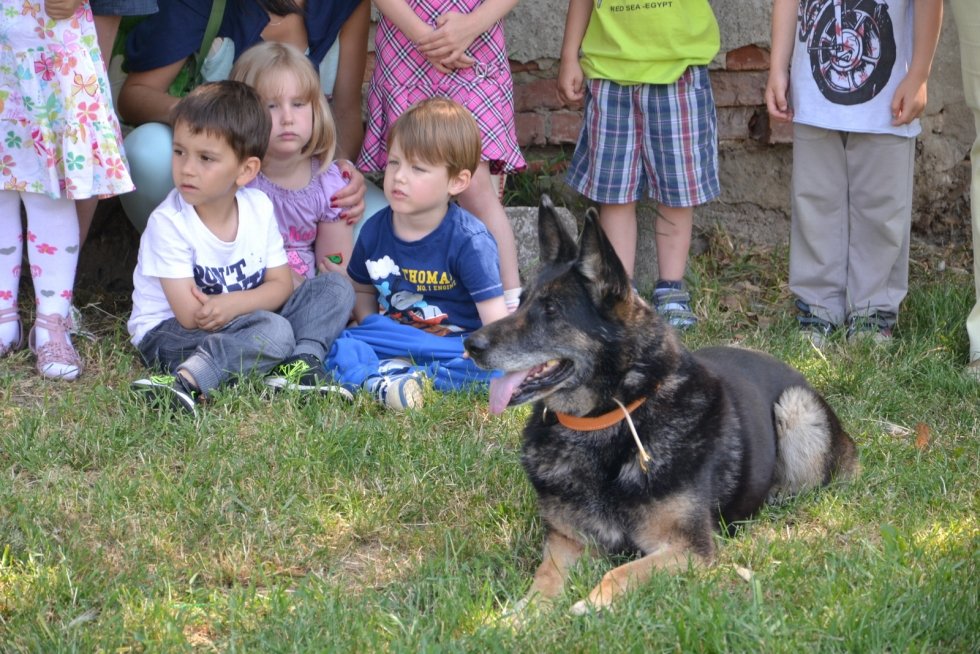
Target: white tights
[52, 248]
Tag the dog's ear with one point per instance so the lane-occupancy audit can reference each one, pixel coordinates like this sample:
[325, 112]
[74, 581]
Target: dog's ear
[599, 263]
[555, 243]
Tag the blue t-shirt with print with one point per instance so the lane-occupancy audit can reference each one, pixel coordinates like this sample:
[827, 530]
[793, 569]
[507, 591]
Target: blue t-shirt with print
[435, 282]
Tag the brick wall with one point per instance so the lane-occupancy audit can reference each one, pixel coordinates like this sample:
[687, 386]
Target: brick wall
[738, 89]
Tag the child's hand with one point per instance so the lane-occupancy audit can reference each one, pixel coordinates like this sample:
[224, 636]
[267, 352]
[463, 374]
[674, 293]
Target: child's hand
[61, 9]
[909, 101]
[777, 97]
[447, 66]
[326, 265]
[447, 43]
[214, 312]
[350, 198]
[571, 81]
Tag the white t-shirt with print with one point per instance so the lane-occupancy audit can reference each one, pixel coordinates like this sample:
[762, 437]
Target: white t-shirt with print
[177, 245]
[847, 83]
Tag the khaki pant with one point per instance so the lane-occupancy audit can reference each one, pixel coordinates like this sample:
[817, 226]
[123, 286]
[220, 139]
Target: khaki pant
[852, 216]
[968, 26]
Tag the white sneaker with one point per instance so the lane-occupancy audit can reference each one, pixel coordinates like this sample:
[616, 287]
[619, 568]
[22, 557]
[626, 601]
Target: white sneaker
[397, 392]
[394, 366]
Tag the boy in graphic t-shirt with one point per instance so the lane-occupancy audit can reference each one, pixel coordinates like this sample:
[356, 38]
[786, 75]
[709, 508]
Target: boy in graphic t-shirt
[426, 272]
[212, 292]
[854, 92]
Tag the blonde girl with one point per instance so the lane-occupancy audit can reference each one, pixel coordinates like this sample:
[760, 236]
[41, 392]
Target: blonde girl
[298, 171]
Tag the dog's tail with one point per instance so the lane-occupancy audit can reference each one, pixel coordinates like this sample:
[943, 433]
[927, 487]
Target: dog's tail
[813, 447]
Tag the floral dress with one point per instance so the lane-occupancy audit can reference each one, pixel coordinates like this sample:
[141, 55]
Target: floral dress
[402, 77]
[59, 135]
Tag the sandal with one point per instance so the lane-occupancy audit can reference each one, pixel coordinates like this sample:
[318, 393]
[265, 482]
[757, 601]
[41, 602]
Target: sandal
[56, 359]
[10, 315]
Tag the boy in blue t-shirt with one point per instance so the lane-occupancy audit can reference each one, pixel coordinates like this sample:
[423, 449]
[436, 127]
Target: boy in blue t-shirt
[428, 265]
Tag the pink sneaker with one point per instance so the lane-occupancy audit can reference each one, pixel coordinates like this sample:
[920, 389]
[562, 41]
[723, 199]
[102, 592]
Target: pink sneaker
[56, 359]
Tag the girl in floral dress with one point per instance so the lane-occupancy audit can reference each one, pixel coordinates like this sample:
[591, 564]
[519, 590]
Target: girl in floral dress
[454, 49]
[60, 142]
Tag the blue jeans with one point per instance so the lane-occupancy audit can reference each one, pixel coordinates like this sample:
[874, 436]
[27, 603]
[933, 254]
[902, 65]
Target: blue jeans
[309, 323]
[358, 352]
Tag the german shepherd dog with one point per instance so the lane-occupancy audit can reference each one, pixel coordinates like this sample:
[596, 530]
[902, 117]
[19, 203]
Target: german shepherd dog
[636, 444]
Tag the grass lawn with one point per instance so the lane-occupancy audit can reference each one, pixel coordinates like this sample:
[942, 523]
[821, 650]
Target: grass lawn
[277, 523]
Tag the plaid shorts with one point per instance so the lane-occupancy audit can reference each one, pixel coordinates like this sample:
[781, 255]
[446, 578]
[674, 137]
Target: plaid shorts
[648, 140]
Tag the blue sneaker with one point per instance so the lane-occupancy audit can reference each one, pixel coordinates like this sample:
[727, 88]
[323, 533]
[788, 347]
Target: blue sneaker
[673, 302]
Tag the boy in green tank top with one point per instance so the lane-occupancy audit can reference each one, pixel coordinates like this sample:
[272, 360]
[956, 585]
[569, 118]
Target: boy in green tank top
[649, 129]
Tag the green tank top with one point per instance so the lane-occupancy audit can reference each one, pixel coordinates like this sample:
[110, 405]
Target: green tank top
[648, 41]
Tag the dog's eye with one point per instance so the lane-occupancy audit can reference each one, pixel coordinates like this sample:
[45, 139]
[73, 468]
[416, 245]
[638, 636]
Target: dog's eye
[551, 308]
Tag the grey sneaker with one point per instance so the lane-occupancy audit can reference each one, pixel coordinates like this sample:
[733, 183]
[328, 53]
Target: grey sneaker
[305, 373]
[875, 327]
[972, 370]
[397, 392]
[169, 390]
[814, 328]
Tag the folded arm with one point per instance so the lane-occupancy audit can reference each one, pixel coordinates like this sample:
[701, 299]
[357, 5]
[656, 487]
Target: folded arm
[455, 32]
[196, 310]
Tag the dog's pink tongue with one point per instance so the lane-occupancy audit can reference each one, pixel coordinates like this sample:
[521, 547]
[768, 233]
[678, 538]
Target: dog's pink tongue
[502, 389]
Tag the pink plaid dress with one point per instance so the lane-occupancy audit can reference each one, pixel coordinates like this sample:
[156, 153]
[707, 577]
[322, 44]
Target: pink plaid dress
[402, 77]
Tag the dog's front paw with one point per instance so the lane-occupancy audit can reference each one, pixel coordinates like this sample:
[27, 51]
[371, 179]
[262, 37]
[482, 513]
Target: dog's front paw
[520, 607]
[522, 612]
[517, 616]
[585, 607]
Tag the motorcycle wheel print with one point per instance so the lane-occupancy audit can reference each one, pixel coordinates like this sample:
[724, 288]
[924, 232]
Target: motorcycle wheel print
[858, 68]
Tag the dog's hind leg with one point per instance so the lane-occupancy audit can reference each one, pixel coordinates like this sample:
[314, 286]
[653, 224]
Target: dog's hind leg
[560, 553]
[812, 446]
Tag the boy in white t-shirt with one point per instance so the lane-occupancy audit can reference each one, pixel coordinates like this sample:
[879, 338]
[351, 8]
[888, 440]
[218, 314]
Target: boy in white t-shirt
[213, 296]
[855, 90]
